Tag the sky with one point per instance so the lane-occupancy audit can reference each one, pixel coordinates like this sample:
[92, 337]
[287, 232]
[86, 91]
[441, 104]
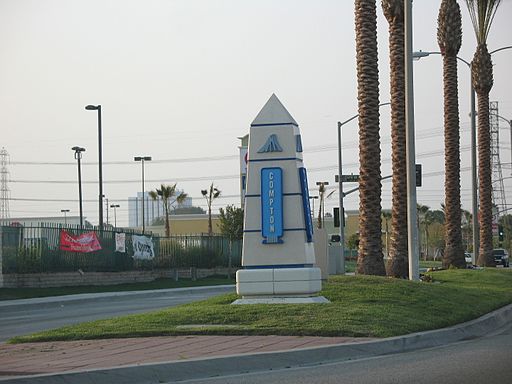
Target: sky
[182, 80]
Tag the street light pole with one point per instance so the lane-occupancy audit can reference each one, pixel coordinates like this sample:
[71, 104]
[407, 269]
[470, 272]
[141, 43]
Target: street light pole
[412, 230]
[115, 215]
[142, 159]
[100, 161]
[65, 211]
[78, 157]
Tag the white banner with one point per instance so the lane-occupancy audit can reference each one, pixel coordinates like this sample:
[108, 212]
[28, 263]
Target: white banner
[142, 247]
[121, 242]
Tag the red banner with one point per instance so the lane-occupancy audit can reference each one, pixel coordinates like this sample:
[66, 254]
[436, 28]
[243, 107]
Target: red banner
[87, 242]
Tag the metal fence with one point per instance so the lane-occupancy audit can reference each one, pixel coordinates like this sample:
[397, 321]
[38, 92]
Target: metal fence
[36, 249]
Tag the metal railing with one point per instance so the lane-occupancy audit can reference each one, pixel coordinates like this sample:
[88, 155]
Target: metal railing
[36, 249]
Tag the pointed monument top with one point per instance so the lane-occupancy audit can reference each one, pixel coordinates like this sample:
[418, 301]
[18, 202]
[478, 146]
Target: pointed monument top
[273, 113]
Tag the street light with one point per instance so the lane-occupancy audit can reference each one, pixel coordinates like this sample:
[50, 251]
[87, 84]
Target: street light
[98, 108]
[142, 159]
[474, 179]
[78, 157]
[115, 216]
[65, 211]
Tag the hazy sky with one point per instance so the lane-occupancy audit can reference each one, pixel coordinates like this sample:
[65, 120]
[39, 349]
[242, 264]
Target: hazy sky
[181, 80]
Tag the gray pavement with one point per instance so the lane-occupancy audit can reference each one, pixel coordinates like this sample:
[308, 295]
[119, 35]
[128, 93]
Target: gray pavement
[157, 360]
[20, 317]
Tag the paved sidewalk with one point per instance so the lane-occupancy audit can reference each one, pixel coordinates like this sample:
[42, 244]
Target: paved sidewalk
[68, 356]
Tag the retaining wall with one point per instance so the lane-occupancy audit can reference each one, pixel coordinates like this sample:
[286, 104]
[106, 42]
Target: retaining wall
[63, 279]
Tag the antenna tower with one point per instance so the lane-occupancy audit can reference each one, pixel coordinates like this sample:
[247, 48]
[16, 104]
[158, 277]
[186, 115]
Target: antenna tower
[498, 188]
[5, 192]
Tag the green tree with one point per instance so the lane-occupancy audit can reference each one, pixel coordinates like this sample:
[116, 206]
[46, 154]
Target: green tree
[449, 38]
[231, 222]
[397, 264]
[210, 194]
[169, 196]
[482, 13]
[370, 260]
[232, 226]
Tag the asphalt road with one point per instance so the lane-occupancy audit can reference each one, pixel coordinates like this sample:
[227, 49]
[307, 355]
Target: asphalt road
[482, 360]
[28, 318]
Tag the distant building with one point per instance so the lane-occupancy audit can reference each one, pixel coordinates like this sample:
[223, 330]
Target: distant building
[36, 221]
[153, 209]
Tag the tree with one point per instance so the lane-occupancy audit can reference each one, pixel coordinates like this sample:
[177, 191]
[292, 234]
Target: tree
[231, 222]
[370, 258]
[167, 193]
[321, 205]
[482, 13]
[397, 265]
[449, 38]
[422, 214]
[210, 194]
[232, 226]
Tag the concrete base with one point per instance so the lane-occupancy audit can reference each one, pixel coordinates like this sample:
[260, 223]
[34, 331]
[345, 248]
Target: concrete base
[278, 282]
[282, 300]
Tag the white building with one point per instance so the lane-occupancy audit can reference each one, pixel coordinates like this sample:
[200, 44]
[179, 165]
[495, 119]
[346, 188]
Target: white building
[153, 209]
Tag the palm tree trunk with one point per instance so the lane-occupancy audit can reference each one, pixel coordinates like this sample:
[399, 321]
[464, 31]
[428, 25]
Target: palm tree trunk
[167, 223]
[370, 258]
[453, 252]
[484, 182]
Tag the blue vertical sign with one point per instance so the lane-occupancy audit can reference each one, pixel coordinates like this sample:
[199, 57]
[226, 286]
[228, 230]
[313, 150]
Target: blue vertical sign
[305, 204]
[272, 205]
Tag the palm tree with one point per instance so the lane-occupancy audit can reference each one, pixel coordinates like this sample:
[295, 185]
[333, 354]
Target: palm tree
[449, 38]
[466, 227]
[397, 265]
[370, 259]
[167, 193]
[210, 194]
[482, 14]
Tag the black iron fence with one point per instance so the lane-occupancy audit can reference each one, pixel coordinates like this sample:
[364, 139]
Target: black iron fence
[37, 249]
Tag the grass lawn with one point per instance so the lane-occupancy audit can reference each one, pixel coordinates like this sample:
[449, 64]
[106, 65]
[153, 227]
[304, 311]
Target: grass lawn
[360, 306]
[350, 265]
[25, 293]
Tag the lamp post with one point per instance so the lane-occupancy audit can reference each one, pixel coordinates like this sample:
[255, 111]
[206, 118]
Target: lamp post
[78, 157]
[106, 208]
[474, 179]
[142, 159]
[342, 194]
[65, 211]
[98, 108]
[115, 215]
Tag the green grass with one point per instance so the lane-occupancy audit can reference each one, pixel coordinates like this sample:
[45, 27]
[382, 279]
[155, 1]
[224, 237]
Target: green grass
[360, 306]
[26, 293]
[350, 265]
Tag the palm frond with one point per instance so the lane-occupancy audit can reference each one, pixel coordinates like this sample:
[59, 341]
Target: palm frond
[482, 14]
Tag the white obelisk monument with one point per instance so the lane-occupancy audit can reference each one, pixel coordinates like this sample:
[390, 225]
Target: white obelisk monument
[278, 253]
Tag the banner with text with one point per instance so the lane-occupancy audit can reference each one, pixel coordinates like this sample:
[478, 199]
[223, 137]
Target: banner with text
[121, 242]
[86, 242]
[142, 247]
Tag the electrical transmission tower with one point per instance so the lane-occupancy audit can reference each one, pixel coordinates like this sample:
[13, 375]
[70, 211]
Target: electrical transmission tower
[498, 188]
[4, 198]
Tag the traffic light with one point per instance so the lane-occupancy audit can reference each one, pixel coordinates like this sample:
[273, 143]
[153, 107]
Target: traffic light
[336, 215]
[500, 233]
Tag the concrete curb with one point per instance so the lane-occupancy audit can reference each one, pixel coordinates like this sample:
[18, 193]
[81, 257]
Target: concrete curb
[226, 365]
[42, 302]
